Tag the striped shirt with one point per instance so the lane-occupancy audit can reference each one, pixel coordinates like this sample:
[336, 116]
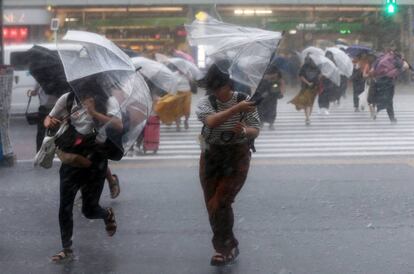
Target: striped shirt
[222, 134]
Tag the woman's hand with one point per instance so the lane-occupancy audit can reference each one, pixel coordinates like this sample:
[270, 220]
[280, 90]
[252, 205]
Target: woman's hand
[240, 129]
[246, 106]
[89, 105]
[51, 122]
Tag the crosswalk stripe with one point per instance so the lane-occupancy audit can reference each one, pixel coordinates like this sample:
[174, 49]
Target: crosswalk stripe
[342, 133]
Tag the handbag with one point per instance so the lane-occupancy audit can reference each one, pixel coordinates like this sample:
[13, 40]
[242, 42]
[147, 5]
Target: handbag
[44, 157]
[32, 118]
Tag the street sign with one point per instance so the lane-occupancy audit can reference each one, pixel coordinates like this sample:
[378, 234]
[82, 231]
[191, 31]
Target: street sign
[54, 24]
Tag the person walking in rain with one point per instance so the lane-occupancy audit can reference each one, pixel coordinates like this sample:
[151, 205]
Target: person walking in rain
[384, 71]
[358, 85]
[272, 88]
[230, 123]
[309, 76]
[46, 103]
[87, 174]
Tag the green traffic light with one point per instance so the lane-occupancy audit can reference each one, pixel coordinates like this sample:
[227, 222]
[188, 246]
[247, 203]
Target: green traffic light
[391, 9]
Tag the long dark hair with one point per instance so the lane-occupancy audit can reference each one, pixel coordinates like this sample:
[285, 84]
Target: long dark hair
[89, 87]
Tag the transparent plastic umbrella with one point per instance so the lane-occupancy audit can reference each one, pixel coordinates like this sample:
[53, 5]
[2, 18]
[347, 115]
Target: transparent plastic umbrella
[156, 72]
[327, 68]
[102, 68]
[236, 44]
[311, 50]
[342, 61]
[185, 67]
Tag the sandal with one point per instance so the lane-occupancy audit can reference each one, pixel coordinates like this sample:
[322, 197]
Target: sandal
[114, 187]
[64, 255]
[232, 256]
[218, 259]
[110, 223]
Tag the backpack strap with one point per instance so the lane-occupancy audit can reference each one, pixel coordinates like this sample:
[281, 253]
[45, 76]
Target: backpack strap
[69, 101]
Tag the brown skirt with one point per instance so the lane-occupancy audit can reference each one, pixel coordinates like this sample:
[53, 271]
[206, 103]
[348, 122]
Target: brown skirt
[305, 98]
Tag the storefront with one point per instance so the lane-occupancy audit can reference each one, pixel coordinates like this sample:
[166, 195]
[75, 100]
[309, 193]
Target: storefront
[25, 25]
[140, 28]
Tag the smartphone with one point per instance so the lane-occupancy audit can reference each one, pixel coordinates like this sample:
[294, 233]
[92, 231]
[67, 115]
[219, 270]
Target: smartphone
[256, 98]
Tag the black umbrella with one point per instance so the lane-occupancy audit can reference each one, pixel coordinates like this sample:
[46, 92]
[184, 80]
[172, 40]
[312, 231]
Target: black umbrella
[47, 68]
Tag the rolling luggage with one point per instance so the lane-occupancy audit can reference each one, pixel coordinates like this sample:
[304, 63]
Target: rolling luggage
[152, 134]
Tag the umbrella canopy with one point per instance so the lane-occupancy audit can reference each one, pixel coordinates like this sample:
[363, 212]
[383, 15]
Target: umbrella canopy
[311, 50]
[185, 56]
[356, 50]
[327, 68]
[389, 64]
[236, 44]
[100, 67]
[184, 66]
[159, 74]
[342, 61]
[281, 63]
[47, 69]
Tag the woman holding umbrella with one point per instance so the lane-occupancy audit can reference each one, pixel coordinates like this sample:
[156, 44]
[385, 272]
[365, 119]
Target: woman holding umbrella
[229, 124]
[272, 88]
[309, 76]
[89, 177]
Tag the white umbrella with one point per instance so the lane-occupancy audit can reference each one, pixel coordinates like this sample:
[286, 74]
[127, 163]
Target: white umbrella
[104, 68]
[342, 61]
[327, 68]
[184, 66]
[222, 41]
[311, 50]
[159, 74]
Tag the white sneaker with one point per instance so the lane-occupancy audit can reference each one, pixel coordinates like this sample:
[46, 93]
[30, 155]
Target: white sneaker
[326, 111]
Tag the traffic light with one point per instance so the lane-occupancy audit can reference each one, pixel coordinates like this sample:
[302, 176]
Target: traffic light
[391, 7]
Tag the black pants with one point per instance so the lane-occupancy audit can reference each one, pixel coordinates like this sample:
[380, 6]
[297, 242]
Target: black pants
[91, 182]
[356, 97]
[323, 99]
[41, 130]
[384, 95]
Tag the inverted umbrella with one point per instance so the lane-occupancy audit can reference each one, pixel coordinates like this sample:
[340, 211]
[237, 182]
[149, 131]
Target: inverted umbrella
[327, 68]
[159, 74]
[47, 69]
[236, 44]
[102, 68]
[342, 61]
[186, 67]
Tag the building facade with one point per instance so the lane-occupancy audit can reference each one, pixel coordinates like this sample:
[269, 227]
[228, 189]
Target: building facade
[157, 25]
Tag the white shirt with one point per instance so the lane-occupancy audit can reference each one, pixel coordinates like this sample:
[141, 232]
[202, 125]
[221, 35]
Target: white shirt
[79, 117]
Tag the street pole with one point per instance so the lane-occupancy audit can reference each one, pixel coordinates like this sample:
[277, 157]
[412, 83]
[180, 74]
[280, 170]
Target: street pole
[1, 34]
[410, 56]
